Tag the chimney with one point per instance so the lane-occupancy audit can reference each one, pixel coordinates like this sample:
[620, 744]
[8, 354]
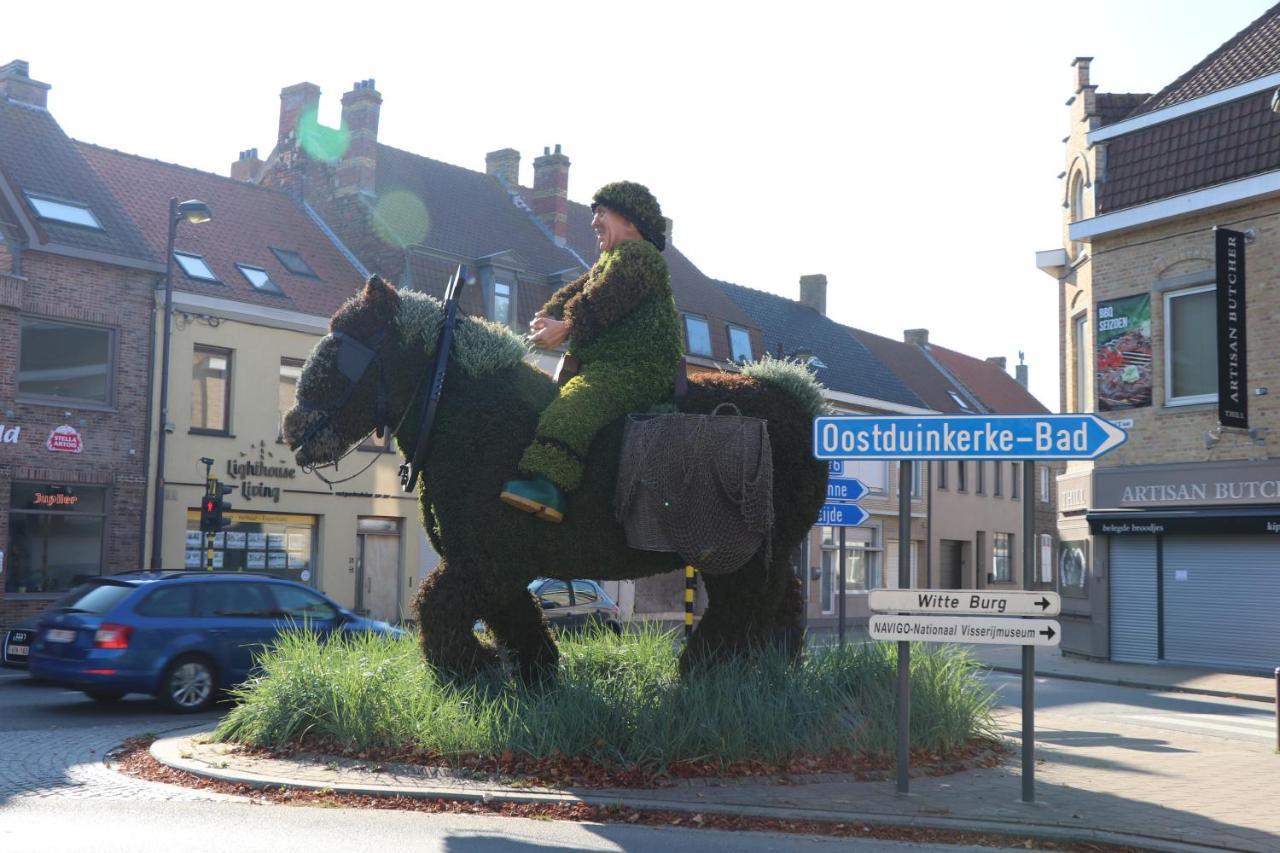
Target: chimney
[505, 164]
[20, 88]
[550, 200]
[294, 101]
[999, 361]
[916, 337]
[1020, 373]
[359, 166]
[667, 227]
[248, 168]
[1081, 65]
[813, 292]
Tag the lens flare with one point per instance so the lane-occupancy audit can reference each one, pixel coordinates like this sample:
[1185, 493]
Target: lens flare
[320, 142]
[401, 218]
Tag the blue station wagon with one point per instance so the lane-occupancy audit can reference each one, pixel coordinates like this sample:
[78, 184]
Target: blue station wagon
[180, 636]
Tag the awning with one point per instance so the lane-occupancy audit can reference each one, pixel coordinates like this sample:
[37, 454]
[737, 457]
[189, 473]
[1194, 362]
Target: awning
[1199, 520]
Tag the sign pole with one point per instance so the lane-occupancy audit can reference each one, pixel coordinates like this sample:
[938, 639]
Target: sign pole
[840, 604]
[904, 647]
[1028, 651]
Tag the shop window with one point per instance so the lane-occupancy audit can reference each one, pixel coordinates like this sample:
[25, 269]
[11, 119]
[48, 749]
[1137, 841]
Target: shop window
[279, 544]
[211, 390]
[697, 335]
[1073, 568]
[55, 536]
[64, 362]
[1001, 557]
[739, 344]
[1084, 363]
[1190, 354]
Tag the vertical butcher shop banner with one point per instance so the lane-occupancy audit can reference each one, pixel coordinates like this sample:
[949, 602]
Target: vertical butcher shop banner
[1124, 353]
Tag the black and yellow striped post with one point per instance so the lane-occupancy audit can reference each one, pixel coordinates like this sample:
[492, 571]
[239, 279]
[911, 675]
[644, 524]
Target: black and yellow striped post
[690, 585]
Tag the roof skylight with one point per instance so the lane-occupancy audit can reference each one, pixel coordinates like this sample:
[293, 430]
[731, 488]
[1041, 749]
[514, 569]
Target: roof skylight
[259, 278]
[960, 401]
[293, 262]
[194, 266]
[70, 212]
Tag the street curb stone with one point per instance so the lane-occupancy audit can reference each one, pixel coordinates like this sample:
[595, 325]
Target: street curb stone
[1141, 685]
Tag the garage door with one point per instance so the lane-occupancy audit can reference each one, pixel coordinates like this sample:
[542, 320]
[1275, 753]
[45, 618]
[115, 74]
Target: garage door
[1220, 601]
[1133, 599]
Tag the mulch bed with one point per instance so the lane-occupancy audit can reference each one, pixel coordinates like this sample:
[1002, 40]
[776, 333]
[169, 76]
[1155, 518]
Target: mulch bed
[134, 759]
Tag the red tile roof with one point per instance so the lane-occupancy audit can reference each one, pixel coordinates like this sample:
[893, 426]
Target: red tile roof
[916, 371]
[248, 221]
[997, 390]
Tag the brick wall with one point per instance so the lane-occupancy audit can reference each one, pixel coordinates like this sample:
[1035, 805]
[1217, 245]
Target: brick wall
[114, 438]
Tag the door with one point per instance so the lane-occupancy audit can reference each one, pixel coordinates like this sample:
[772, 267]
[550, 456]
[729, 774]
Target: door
[238, 617]
[951, 566]
[1134, 628]
[378, 578]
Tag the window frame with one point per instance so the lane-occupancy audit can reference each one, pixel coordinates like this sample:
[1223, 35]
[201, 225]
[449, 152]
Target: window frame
[1015, 481]
[997, 483]
[996, 537]
[979, 477]
[1080, 334]
[733, 356]
[282, 253]
[1045, 491]
[34, 198]
[962, 475]
[511, 302]
[179, 254]
[941, 482]
[270, 286]
[69, 402]
[688, 338]
[103, 517]
[227, 391]
[1168, 297]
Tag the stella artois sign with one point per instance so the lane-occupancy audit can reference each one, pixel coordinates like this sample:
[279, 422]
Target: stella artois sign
[64, 439]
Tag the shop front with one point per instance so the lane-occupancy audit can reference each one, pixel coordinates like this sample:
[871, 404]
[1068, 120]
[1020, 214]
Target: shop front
[56, 536]
[1193, 557]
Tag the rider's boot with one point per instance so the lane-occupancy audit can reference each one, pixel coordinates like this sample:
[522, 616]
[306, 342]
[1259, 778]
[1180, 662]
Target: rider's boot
[538, 495]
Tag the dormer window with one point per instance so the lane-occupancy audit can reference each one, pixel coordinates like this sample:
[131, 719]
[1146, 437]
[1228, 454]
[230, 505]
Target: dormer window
[960, 401]
[739, 344]
[501, 303]
[195, 267]
[697, 335]
[293, 262]
[67, 212]
[259, 278]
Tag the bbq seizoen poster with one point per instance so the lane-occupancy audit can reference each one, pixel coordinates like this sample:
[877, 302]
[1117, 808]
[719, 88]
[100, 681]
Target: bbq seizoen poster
[1123, 354]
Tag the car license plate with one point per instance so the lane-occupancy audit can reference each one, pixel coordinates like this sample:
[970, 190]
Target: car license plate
[19, 651]
[60, 635]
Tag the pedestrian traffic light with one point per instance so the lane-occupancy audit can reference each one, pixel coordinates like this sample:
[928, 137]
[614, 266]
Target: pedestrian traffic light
[212, 507]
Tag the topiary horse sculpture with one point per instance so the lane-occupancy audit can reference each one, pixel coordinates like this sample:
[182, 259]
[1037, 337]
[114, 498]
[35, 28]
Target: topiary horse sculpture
[368, 373]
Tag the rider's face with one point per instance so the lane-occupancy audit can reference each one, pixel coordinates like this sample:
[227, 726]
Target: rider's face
[612, 228]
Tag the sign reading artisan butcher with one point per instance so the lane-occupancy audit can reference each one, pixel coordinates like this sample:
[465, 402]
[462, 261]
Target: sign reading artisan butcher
[1233, 399]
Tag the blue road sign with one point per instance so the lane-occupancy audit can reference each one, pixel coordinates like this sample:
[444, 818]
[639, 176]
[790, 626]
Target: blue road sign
[1077, 436]
[845, 491]
[842, 515]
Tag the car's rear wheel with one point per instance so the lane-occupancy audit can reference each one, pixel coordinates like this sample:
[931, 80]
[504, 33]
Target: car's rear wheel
[189, 684]
[105, 696]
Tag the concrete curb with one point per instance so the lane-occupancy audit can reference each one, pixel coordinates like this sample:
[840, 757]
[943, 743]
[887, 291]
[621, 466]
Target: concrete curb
[170, 752]
[1141, 685]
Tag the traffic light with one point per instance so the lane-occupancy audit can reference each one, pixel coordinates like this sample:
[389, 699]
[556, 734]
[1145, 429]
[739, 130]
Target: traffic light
[212, 506]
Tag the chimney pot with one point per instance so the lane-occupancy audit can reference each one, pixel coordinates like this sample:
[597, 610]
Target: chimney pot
[1020, 373]
[550, 201]
[916, 337]
[999, 361]
[16, 85]
[813, 292]
[357, 172]
[505, 164]
[248, 168]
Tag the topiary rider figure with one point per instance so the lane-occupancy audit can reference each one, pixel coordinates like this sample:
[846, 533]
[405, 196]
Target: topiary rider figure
[621, 323]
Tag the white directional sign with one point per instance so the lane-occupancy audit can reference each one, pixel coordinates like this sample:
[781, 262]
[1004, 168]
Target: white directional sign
[967, 602]
[1078, 436]
[966, 629]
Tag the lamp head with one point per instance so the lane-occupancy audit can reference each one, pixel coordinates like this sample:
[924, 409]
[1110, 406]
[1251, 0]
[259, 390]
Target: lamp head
[194, 211]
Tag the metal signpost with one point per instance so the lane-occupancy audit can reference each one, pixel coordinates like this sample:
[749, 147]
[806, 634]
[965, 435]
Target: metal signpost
[1024, 438]
[841, 510]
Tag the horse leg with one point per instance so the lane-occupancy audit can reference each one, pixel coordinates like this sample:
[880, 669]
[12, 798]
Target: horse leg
[749, 610]
[518, 624]
[447, 603]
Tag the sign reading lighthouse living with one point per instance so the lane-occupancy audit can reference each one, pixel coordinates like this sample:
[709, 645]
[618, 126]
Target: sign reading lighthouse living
[1233, 400]
[243, 470]
[1080, 436]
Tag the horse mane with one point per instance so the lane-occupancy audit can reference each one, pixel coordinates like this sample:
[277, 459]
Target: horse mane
[479, 346]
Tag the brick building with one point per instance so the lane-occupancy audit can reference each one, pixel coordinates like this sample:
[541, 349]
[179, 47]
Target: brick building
[1169, 549]
[77, 284]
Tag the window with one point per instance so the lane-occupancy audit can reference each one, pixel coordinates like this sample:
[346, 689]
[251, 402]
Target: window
[862, 555]
[979, 477]
[1073, 568]
[67, 212]
[584, 592]
[293, 262]
[259, 278]
[195, 267]
[917, 477]
[962, 476]
[64, 361]
[697, 335]
[1190, 355]
[1044, 484]
[942, 474]
[960, 401]
[1077, 209]
[287, 394]
[1001, 556]
[554, 593]
[501, 303]
[1015, 473]
[892, 569]
[872, 473]
[739, 344]
[301, 605]
[211, 390]
[55, 536]
[997, 484]
[1084, 364]
[1045, 575]
[169, 601]
[274, 543]
[233, 599]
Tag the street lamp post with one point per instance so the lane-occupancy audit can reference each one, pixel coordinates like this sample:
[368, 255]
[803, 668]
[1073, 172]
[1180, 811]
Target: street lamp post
[195, 212]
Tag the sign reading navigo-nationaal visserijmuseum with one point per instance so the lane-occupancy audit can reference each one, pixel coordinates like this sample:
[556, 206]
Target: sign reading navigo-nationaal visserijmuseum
[1233, 397]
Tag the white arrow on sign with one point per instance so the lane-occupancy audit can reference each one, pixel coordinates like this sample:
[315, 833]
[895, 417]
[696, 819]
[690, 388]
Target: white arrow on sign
[967, 629]
[975, 602]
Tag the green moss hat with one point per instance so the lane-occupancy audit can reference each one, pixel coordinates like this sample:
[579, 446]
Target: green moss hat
[636, 203]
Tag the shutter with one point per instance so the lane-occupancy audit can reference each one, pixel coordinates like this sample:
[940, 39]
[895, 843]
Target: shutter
[891, 565]
[1133, 599]
[1220, 594]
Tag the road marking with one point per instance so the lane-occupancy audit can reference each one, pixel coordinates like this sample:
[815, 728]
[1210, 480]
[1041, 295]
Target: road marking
[1247, 726]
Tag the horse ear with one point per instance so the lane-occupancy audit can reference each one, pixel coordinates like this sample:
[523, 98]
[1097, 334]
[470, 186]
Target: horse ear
[381, 295]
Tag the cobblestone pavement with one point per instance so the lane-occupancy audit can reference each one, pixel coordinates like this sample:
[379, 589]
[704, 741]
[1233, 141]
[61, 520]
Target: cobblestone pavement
[56, 740]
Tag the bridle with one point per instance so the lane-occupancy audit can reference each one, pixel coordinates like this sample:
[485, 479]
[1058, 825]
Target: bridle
[354, 359]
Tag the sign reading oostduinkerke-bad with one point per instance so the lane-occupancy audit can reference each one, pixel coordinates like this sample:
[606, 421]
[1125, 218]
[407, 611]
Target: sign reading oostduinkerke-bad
[1075, 436]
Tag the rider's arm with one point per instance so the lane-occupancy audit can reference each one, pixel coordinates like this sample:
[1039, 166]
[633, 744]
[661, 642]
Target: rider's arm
[555, 305]
[635, 273]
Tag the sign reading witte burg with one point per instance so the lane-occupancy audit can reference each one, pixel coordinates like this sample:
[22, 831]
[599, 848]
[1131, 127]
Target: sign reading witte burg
[977, 602]
[1076, 436]
[966, 629]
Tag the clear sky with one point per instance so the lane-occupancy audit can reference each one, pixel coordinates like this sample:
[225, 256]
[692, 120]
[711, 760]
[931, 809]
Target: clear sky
[909, 151]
